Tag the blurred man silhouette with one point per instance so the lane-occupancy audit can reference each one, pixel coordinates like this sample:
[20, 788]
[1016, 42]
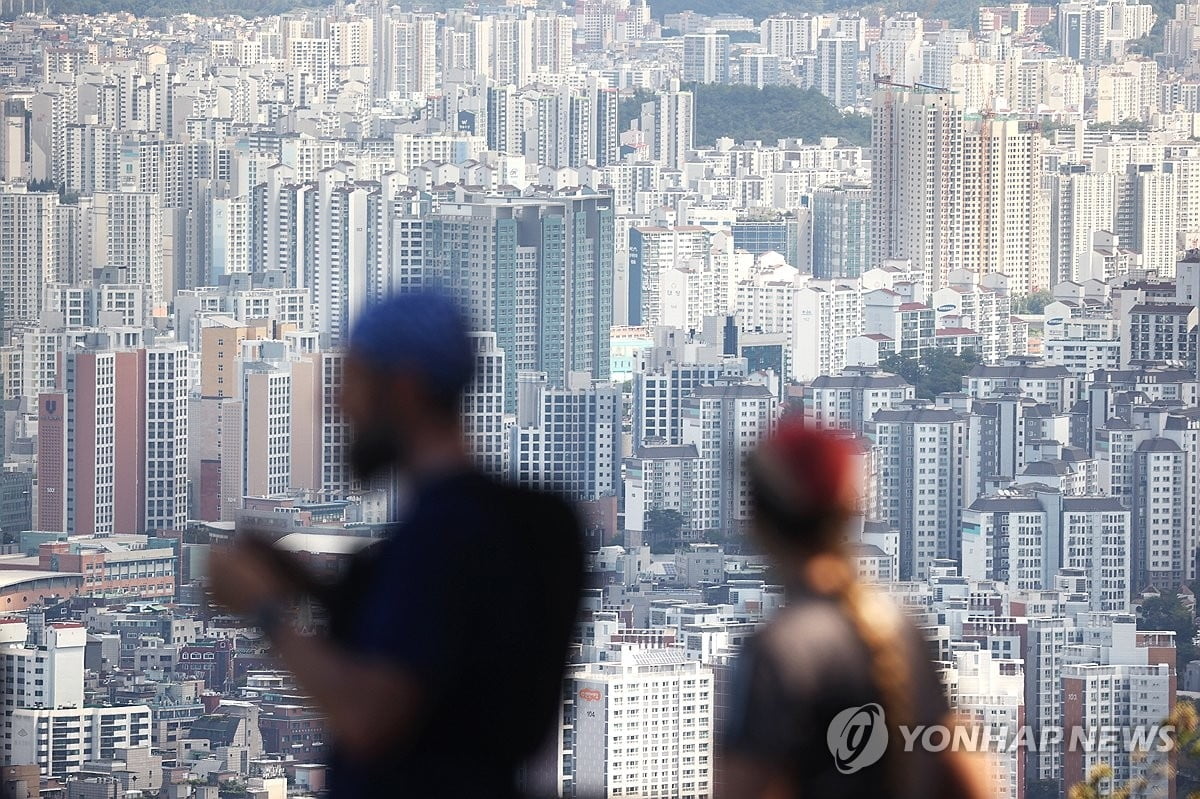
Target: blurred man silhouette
[447, 640]
[818, 694]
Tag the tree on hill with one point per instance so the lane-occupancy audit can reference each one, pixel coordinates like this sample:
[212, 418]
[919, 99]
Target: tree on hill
[1169, 613]
[744, 112]
[937, 371]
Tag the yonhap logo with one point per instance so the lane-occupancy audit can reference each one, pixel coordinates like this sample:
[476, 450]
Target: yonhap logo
[857, 738]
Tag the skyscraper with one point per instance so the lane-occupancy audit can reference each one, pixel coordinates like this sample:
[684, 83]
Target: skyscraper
[1081, 203]
[837, 70]
[334, 256]
[483, 406]
[535, 269]
[112, 456]
[917, 180]
[725, 422]
[841, 231]
[408, 63]
[652, 251]
[706, 57]
[126, 229]
[566, 439]
[1005, 225]
[920, 491]
[29, 254]
[668, 122]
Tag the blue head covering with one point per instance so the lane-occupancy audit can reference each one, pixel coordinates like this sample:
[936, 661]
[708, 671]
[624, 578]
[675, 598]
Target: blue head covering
[421, 332]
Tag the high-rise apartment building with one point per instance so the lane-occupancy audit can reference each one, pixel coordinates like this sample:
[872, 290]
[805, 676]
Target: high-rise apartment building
[659, 477]
[706, 58]
[1081, 203]
[917, 204]
[30, 257]
[112, 456]
[725, 422]
[1123, 678]
[553, 36]
[789, 36]
[659, 394]
[761, 69]
[989, 691]
[1160, 552]
[537, 270]
[920, 453]
[837, 70]
[1004, 219]
[335, 252]
[566, 439]
[483, 406]
[818, 318]
[125, 229]
[668, 123]
[849, 400]
[841, 231]
[653, 251]
[1024, 538]
[651, 712]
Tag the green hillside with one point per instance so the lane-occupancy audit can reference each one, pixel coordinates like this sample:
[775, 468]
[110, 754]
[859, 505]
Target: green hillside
[776, 112]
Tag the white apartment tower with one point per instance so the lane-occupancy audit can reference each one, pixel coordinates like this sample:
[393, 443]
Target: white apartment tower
[407, 51]
[1081, 203]
[652, 252]
[818, 317]
[553, 35]
[789, 36]
[660, 477]
[1123, 678]
[566, 439]
[126, 229]
[920, 454]
[1024, 539]
[29, 254]
[643, 725]
[917, 177]
[166, 467]
[335, 250]
[837, 69]
[706, 58]
[725, 422]
[1162, 554]
[988, 691]
[849, 400]
[668, 122]
[1004, 222]
[659, 395]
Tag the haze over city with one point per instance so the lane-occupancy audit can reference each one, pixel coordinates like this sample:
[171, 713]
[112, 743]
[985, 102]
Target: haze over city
[965, 238]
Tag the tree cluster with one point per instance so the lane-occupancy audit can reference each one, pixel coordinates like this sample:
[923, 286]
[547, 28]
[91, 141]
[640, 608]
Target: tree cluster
[936, 371]
[1169, 613]
[664, 530]
[769, 114]
[1033, 303]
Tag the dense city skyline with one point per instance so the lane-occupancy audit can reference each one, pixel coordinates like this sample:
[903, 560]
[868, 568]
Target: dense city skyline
[996, 296]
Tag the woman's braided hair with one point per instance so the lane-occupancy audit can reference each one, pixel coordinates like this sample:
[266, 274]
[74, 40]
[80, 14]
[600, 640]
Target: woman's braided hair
[805, 490]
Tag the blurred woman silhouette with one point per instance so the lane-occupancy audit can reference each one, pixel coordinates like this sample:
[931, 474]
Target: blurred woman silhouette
[819, 694]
